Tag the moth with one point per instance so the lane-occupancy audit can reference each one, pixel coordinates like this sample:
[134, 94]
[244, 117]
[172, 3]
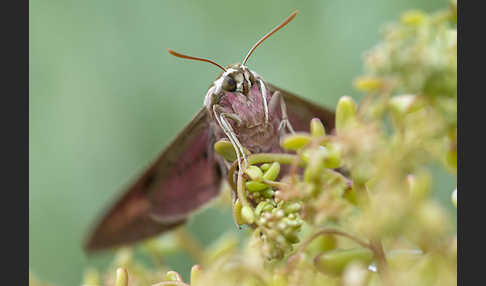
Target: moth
[240, 106]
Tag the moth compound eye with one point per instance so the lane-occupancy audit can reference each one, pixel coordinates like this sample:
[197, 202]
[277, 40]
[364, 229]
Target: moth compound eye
[229, 84]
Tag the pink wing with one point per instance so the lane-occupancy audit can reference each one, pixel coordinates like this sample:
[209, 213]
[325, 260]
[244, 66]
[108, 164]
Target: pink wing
[183, 178]
[301, 111]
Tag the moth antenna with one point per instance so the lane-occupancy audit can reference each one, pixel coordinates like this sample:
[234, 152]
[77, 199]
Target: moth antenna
[176, 54]
[280, 26]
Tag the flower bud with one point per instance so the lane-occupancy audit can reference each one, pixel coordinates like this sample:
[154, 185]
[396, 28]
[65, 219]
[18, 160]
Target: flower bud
[196, 272]
[333, 157]
[121, 277]
[265, 167]
[225, 149]
[268, 193]
[316, 164]
[334, 261]
[368, 83]
[254, 173]
[254, 186]
[345, 112]
[172, 276]
[317, 129]
[272, 173]
[413, 18]
[402, 104]
[237, 213]
[295, 141]
[91, 277]
[247, 214]
[292, 207]
[262, 207]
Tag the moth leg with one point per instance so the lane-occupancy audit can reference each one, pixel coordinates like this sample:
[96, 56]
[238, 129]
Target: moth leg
[235, 139]
[285, 123]
[264, 98]
[228, 130]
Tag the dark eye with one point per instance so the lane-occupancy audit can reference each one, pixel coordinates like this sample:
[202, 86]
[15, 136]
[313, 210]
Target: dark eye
[229, 84]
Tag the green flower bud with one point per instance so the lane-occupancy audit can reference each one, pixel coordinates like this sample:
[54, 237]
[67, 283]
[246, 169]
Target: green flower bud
[265, 167]
[272, 173]
[402, 104]
[247, 214]
[121, 278]
[254, 173]
[292, 237]
[225, 149]
[196, 272]
[317, 128]
[333, 157]
[268, 193]
[295, 141]
[261, 207]
[413, 18]
[292, 208]
[334, 261]
[255, 195]
[91, 277]
[172, 276]
[345, 112]
[368, 83]
[254, 186]
[237, 213]
[316, 164]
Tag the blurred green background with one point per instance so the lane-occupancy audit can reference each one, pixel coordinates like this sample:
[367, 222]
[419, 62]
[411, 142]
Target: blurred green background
[106, 97]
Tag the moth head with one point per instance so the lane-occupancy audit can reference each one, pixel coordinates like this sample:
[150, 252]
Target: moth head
[236, 78]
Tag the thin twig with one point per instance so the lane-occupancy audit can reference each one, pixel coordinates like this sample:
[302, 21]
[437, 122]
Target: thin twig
[330, 231]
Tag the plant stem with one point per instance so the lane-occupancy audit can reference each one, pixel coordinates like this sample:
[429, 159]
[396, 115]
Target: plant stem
[330, 231]
[381, 263]
[241, 190]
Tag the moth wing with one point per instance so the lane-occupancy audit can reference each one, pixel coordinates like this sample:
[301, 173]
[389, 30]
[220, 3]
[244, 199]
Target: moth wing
[183, 178]
[300, 111]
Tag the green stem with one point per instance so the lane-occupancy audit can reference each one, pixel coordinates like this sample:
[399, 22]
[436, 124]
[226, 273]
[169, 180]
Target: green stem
[329, 231]
[241, 190]
[382, 265]
[274, 184]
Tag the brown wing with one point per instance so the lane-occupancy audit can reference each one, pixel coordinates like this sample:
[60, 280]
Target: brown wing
[301, 111]
[183, 178]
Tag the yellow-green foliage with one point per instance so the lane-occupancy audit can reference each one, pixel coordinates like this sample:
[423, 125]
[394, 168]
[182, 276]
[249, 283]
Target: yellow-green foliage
[361, 213]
